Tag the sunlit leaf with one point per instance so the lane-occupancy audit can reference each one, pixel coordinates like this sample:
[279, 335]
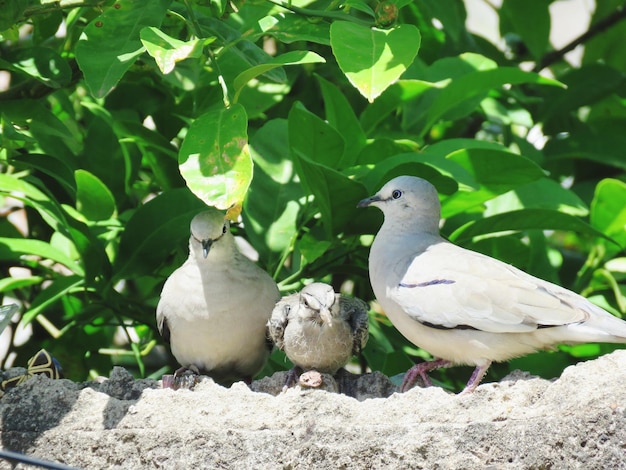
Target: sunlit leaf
[17, 248]
[41, 63]
[527, 219]
[608, 211]
[289, 58]
[372, 58]
[167, 50]
[93, 199]
[215, 159]
[110, 43]
[51, 294]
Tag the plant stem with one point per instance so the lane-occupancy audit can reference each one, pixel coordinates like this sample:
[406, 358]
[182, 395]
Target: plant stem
[605, 23]
[331, 15]
[45, 7]
[195, 26]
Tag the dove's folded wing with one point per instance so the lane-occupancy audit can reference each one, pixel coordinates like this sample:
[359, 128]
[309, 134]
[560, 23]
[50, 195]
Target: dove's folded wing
[280, 318]
[450, 287]
[354, 311]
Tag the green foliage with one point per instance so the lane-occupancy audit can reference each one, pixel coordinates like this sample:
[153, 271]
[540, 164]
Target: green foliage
[122, 119]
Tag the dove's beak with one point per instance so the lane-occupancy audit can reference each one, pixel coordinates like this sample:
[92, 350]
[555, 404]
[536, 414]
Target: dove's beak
[206, 247]
[326, 316]
[368, 201]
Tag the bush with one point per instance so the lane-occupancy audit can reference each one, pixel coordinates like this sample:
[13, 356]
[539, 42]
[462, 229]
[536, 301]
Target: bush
[123, 119]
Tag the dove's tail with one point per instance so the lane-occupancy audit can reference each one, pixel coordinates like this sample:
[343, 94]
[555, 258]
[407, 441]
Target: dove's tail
[601, 327]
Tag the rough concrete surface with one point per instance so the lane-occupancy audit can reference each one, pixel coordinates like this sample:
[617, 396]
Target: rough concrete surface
[577, 421]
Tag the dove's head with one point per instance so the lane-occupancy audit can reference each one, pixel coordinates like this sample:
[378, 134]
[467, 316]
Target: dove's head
[408, 202]
[318, 298]
[207, 228]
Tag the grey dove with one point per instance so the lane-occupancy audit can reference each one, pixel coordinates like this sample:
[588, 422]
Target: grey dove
[319, 329]
[214, 308]
[464, 307]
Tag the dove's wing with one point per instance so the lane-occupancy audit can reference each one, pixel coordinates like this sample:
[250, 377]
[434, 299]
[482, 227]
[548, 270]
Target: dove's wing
[354, 311]
[449, 287]
[280, 318]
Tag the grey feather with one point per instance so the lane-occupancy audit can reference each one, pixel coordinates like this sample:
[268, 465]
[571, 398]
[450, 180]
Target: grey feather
[318, 329]
[213, 309]
[465, 307]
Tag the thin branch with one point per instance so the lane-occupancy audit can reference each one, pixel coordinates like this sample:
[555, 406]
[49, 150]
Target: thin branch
[44, 7]
[197, 32]
[605, 23]
[333, 15]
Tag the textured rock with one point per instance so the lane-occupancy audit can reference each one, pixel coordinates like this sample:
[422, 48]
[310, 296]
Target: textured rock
[576, 421]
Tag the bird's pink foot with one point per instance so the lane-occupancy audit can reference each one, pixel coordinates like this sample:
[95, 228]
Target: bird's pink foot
[475, 379]
[421, 370]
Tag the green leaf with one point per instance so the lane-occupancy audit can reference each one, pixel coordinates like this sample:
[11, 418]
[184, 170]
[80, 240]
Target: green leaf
[360, 5]
[45, 26]
[95, 261]
[371, 58]
[312, 248]
[37, 119]
[606, 47]
[57, 290]
[336, 195]
[270, 215]
[606, 277]
[93, 198]
[495, 169]
[527, 219]
[244, 55]
[15, 249]
[42, 64]
[531, 21]
[378, 150]
[271, 208]
[157, 152]
[446, 147]
[475, 83]
[11, 283]
[110, 43]
[401, 92]
[340, 116]
[48, 208]
[288, 28]
[489, 173]
[154, 231]
[11, 12]
[289, 58]
[55, 167]
[166, 50]
[585, 86]
[378, 346]
[608, 212]
[602, 143]
[541, 194]
[215, 159]
[408, 164]
[313, 138]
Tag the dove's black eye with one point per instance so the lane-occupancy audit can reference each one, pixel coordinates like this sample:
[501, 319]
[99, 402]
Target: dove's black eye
[396, 194]
[224, 229]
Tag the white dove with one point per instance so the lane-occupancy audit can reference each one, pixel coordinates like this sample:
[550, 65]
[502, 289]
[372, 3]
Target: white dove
[318, 329]
[213, 309]
[461, 306]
